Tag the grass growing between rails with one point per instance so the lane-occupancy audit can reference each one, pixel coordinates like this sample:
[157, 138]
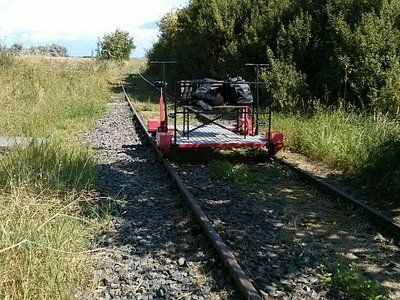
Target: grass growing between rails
[277, 190]
[349, 278]
[365, 146]
[235, 173]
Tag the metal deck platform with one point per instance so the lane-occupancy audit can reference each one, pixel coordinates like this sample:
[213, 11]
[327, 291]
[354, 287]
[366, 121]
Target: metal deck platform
[215, 136]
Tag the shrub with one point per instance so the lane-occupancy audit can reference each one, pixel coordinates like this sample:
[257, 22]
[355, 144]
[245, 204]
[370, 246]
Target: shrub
[7, 58]
[48, 50]
[332, 50]
[116, 46]
[289, 87]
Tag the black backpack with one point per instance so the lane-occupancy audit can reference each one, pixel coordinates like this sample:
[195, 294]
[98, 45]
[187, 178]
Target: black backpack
[208, 93]
[237, 91]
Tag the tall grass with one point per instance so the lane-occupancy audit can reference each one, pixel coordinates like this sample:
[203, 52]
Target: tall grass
[44, 235]
[42, 246]
[42, 96]
[365, 146]
[339, 138]
[49, 165]
[45, 231]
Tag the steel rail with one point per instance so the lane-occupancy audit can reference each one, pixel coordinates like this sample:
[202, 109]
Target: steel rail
[227, 257]
[386, 223]
[152, 84]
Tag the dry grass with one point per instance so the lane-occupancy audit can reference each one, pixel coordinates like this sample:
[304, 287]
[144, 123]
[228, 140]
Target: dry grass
[51, 237]
[46, 224]
[42, 96]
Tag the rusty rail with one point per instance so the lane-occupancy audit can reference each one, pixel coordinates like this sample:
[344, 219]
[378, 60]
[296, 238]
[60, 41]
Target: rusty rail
[386, 223]
[227, 257]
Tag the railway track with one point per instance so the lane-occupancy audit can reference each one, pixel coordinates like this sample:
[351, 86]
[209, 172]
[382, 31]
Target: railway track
[151, 247]
[387, 224]
[275, 238]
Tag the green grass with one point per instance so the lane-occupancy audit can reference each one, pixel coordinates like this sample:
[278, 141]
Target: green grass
[42, 96]
[341, 139]
[44, 232]
[50, 165]
[43, 240]
[47, 217]
[348, 278]
[365, 146]
[235, 173]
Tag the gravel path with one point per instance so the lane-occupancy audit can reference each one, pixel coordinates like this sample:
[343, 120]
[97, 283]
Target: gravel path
[155, 251]
[282, 231]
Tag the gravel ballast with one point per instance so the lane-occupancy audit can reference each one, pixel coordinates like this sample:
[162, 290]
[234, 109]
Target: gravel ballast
[154, 250]
[287, 235]
[283, 232]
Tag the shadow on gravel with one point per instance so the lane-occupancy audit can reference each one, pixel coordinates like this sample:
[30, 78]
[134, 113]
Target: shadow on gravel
[288, 237]
[291, 238]
[157, 250]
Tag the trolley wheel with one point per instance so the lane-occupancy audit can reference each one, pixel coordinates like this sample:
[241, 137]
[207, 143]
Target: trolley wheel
[271, 150]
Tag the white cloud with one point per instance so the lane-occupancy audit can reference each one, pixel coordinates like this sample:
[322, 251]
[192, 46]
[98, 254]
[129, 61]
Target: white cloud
[43, 21]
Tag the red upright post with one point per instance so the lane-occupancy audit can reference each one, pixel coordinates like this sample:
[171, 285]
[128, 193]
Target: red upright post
[163, 124]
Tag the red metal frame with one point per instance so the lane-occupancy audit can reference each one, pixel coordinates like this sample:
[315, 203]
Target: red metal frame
[167, 137]
[225, 145]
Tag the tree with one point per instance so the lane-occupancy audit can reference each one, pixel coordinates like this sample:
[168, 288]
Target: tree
[16, 48]
[115, 46]
[337, 51]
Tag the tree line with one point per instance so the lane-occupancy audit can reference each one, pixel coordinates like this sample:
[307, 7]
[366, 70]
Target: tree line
[48, 50]
[330, 52]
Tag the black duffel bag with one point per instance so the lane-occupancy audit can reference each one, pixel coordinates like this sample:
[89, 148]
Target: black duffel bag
[237, 91]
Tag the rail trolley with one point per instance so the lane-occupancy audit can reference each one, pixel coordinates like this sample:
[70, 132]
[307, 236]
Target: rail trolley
[225, 126]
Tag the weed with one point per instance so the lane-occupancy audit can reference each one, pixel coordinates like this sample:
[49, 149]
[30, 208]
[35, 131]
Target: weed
[348, 278]
[235, 173]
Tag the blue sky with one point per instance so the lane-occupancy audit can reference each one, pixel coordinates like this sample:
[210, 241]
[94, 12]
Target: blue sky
[78, 24]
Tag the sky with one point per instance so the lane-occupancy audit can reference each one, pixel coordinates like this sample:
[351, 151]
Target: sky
[78, 24]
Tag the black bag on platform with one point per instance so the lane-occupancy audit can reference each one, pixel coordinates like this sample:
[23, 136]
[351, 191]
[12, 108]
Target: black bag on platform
[208, 93]
[237, 91]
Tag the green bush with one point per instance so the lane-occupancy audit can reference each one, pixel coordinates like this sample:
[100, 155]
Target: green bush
[289, 86]
[346, 50]
[115, 46]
